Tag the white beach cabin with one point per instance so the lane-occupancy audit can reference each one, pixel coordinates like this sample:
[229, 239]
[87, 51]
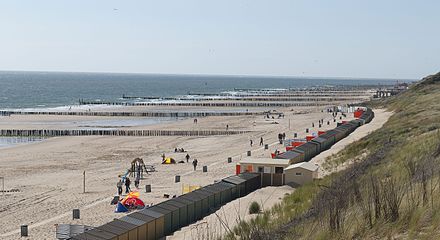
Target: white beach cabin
[301, 173]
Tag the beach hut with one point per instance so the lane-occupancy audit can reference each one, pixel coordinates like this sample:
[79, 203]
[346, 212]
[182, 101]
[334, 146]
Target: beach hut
[214, 197]
[167, 219]
[205, 202]
[197, 201]
[95, 234]
[148, 228]
[271, 170]
[190, 207]
[347, 128]
[208, 201]
[337, 134]
[324, 143]
[175, 214]
[183, 211]
[230, 190]
[253, 181]
[301, 173]
[309, 149]
[224, 189]
[118, 231]
[240, 184]
[292, 156]
[358, 122]
[101, 234]
[142, 226]
[131, 229]
[159, 221]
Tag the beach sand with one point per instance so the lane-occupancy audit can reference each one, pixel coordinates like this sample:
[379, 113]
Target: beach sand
[49, 174]
[381, 117]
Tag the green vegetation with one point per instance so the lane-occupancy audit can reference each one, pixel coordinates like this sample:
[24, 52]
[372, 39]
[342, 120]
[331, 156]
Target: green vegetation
[392, 190]
[254, 208]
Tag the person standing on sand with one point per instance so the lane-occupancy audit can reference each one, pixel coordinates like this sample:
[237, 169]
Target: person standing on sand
[261, 141]
[163, 157]
[227, 127]
[187, 157]
[251, 142]
[136, 181]
[127, 185]
[195, 164]
[119, 186]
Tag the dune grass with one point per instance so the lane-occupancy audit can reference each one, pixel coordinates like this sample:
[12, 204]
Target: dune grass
[391, 191]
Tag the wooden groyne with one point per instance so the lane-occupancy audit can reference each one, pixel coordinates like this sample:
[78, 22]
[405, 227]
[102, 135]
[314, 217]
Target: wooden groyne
[261, 98]
[211, 104]
[105, 132]
[132, 114]
[296, 93]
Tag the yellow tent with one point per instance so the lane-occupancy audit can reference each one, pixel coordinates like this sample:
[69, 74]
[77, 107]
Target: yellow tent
[168, 161]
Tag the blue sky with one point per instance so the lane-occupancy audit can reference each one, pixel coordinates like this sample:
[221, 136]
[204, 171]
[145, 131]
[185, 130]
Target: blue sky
[374, 39]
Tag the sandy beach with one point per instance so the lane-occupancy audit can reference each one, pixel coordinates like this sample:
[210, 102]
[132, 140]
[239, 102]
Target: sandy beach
[49, 174]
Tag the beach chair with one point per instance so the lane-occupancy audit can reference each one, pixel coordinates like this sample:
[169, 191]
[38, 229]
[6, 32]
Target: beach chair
[149, 168]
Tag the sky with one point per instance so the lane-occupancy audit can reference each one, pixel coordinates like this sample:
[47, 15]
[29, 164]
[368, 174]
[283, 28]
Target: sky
[314, 38]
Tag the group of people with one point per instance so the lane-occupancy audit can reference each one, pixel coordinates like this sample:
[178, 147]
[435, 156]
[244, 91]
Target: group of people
[179, 150]
[187, 157]
[281, 137]
[194, 162]
[261, 142]
[127, 182]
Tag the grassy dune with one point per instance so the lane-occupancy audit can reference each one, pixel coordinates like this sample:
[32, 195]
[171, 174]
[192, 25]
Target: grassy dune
[392, 190]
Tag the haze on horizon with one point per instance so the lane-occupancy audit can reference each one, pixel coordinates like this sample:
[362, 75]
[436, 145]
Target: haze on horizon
[364, 39]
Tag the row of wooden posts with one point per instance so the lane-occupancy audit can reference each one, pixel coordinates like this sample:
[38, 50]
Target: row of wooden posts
[97, 132]
[131, 114]
[210, 104]
[265, 98]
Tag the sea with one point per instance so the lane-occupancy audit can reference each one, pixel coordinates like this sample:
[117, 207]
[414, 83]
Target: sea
[30, 90]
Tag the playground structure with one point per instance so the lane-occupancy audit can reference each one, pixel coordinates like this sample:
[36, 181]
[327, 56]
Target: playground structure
[137, 169]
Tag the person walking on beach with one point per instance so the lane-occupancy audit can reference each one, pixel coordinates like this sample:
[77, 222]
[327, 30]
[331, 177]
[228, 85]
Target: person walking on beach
[195, 164]
[227, 127]
[127, 185]
[136, 181]
[261, 141]
[163, 157]
[119, 186]
[251, 142]
[187, 157]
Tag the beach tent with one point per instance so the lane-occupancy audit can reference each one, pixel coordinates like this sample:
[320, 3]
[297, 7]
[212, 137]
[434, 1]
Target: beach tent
[169, 161]
[121, 208]
[132, 201]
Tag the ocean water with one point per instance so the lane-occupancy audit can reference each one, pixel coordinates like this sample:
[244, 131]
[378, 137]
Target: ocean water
[54, 89]
[6, 142]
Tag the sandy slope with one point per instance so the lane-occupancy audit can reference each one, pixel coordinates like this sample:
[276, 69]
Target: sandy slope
[381, 117]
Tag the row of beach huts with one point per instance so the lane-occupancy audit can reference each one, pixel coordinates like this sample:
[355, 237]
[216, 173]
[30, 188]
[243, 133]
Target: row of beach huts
[292, 167]
[163, 219]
